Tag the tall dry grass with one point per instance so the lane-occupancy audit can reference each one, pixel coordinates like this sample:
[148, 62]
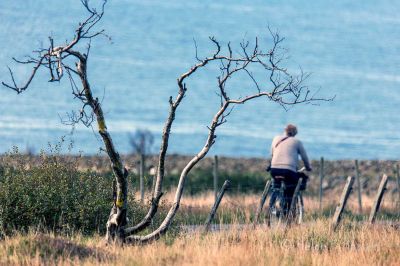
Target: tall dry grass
[203, 202]
[311, 244]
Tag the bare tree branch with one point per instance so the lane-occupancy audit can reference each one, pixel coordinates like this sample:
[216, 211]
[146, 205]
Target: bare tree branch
[284, 89]
[53, 59]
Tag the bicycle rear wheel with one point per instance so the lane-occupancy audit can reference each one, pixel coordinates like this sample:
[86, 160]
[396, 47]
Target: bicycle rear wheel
[275, 215]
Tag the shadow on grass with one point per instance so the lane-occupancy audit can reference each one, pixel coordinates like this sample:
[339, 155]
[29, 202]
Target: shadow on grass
[54, 248]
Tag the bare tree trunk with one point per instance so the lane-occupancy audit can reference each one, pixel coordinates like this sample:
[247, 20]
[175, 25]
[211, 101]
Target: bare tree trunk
[55, 60]
[179, 191]
[157, 193]
[219, 119]
[174, 104]
[117, 218]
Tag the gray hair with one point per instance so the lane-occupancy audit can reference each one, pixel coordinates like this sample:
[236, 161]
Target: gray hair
[291, 130]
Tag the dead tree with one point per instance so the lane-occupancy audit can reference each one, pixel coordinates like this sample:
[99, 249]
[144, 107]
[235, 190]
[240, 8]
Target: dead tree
[282, 88]
[67, 59]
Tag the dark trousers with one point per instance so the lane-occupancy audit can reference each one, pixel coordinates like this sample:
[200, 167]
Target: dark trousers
[290, 180]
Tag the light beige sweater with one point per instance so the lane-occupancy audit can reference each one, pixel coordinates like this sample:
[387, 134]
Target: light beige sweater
[286, 154]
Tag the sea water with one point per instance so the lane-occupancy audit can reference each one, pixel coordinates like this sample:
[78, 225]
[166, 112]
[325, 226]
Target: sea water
[351, 48]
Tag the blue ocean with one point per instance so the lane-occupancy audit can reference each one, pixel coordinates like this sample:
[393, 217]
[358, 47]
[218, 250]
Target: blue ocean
[350, 47]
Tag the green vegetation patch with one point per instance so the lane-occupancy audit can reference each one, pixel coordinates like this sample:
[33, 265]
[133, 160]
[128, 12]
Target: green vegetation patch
[55, 196]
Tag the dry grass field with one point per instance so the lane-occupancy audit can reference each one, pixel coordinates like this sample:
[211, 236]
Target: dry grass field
[311, 244]
[314, 243]
[70, 241]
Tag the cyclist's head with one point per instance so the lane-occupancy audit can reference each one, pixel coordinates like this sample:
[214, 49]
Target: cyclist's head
[291, 130]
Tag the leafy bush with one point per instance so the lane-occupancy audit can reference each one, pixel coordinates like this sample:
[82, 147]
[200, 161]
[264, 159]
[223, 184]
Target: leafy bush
[49, 191]
[54, 195]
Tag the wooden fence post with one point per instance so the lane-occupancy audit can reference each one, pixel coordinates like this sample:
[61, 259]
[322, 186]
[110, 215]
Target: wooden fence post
[153, 174]
[321, 177]
[215, 176]
[358, 187]
[378, 199]
[141, 172]
[343, 201]
[398, 183]
[262, 202]
[221, 193]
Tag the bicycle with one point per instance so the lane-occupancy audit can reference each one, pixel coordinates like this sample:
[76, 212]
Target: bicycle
[276, 215]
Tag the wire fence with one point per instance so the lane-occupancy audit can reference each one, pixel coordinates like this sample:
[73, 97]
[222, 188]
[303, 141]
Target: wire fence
[323, 192]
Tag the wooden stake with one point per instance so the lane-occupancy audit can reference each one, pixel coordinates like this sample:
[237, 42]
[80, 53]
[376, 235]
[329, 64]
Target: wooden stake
[141, 172]
[221, 193]
[153, 185]
[262, 202]
[398, 183]
[358, 187]
[215, 175]
[343, 201]
[378, 199]
[321, 177]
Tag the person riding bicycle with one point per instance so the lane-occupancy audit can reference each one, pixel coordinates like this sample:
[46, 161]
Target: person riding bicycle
[285, 151]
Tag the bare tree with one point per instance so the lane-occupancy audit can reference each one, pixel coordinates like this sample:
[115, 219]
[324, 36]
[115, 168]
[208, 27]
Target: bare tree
[68, 58]
[282, 88]
[141, 141]
[279, 86]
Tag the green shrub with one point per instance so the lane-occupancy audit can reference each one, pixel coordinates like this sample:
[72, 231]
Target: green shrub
[54, 195]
